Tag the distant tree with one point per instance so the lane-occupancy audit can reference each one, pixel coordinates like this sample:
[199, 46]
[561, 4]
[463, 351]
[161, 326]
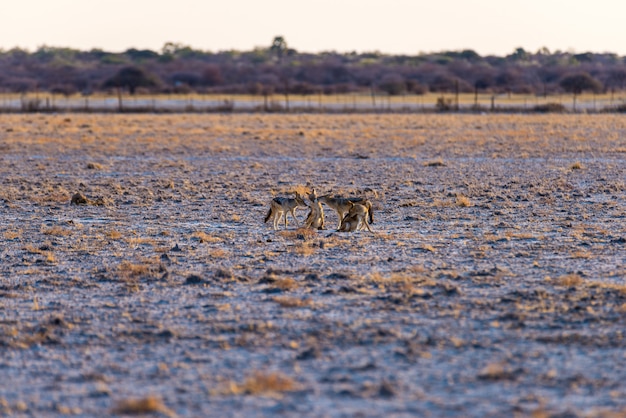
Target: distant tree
[131, 78]
[279, 47]
[470, 55]
[617, 78]
[139, 55]
[64, 89]
[393, 84]
[578, 82]
[446, 83]
[508, 78]
[415, 87]
[586, 57]
[519, 54]
[212, 75]
[186, 78]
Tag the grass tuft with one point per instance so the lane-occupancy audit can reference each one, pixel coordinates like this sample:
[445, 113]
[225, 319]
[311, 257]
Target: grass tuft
[147, 405]
[292, 302]
[577, 166]
[264, 384]
[568, 280]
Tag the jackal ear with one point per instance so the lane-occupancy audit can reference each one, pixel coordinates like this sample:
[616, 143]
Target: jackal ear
[351, 204]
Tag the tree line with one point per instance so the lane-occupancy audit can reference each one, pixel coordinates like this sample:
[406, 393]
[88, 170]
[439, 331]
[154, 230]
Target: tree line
[279, 69]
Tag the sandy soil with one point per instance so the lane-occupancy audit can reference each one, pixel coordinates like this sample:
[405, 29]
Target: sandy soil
[494, 284]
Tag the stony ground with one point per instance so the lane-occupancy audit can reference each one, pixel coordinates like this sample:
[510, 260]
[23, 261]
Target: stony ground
[494, 284]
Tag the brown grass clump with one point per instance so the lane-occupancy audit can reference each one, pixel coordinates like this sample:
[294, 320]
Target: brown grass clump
[496, 371]
[292, 302]
[568, 280]
[300, 233]
[518, 235]
[582, 254]
[113, 234]
[147, 405]
[264, 384]
[286, 284]
[31, 249]
[11, 235]
[218, 253]
[407, 284]
[204, 237]
[78, 199]
[129, 270]
[428, 247]
[141, 241]
[57, 231]
[577, 166]
[463, 201]
[435, 163]
[304, 249]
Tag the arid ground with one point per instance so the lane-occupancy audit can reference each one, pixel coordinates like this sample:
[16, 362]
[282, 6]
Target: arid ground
[494, 284]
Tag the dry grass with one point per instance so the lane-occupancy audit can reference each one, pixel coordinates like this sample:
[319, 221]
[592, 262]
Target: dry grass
[135, 241]
[267, 384]
[128, 270]
[57, 231]
[435, 163]
[576, 166]
[427, 247]
[292, 302]
[142, 406]
[518, 235]
[54, 197]
[568, 280]
[463, 201]
[582, 254]
[206, 238]
[298, 234]
[217, 253]
[94, 166]
[305, 249]
[286, 283]
[113, 234]
[11, 235]
[406, 284]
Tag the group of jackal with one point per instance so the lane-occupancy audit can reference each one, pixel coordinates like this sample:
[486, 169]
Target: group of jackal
[354, 213]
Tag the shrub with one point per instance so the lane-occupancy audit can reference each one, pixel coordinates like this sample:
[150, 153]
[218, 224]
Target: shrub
[550, 108]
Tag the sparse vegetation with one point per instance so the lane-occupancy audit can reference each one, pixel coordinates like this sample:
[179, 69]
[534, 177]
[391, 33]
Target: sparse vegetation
[266, 75]
[261, 383]
[491, 279]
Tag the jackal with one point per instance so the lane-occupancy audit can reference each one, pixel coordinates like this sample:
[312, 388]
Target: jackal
[355, 219]
[315, 219]
[281, 205]
[343, 204]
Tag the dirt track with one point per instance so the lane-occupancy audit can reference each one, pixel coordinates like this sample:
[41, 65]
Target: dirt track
[493, 286]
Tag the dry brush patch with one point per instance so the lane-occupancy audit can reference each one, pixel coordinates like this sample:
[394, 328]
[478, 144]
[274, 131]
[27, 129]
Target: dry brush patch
[261, 383]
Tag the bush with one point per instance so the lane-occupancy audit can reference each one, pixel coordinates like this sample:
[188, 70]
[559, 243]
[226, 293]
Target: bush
[550, 108]
[444, 105]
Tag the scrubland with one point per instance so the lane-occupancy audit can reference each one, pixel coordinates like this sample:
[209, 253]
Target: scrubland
[494, 284]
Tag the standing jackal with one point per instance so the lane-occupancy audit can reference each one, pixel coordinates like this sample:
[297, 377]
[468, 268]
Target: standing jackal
[342, 206]
[281, 205]
[315, 219]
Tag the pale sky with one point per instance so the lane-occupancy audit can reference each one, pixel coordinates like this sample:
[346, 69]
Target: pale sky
[392, 26]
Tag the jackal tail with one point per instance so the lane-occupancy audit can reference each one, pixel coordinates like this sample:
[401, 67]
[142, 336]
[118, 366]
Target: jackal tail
[268, 216]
